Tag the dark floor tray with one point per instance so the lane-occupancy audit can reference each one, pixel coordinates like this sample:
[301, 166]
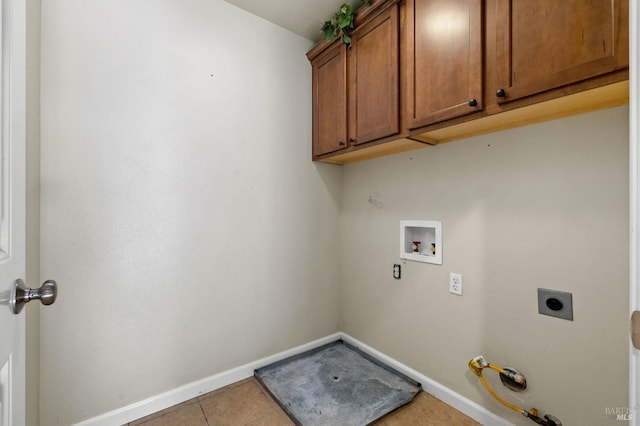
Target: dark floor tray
[336, 384]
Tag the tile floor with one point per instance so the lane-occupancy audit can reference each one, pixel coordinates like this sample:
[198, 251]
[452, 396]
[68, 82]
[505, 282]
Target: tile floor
[247, 403]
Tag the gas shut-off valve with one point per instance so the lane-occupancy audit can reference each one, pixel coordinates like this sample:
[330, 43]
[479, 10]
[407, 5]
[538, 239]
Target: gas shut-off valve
[515, 381]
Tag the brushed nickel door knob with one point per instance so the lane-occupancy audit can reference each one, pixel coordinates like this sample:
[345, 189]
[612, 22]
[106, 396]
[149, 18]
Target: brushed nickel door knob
[21, 294]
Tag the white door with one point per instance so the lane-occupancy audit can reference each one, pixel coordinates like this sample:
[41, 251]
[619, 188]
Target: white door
[12, 209]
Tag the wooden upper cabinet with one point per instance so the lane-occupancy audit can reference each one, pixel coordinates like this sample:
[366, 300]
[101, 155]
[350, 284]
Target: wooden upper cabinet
[440, 70]
[546, 44]
[444, 60]
[374, 72]
[356, 91]
[329, 81]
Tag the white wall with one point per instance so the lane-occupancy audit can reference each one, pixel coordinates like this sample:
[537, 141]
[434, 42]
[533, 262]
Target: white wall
[540, 206]
[190, 233]
[181, 215]
[33, 208]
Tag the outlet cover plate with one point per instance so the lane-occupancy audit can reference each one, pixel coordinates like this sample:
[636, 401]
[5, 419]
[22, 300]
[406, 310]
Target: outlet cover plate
[455, 283]
[565, 311]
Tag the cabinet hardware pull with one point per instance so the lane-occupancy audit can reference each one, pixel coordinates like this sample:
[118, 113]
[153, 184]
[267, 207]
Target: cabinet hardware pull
[501, 93]
[341, 143]
[473, 103]
[351, 140]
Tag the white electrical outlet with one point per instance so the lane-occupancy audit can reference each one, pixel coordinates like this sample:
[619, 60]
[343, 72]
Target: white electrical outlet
[455, 283]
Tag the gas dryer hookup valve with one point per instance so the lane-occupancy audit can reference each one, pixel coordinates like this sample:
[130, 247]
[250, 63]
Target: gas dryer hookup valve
[515, 381]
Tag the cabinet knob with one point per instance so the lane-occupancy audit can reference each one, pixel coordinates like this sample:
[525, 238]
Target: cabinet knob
[473, 102]
[501, 93]
[351, 140]
[341, 143]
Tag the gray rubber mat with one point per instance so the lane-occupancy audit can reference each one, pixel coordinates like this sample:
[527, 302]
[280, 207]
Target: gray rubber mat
[336, 384]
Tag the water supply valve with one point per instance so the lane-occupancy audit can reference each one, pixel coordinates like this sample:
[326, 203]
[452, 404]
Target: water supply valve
[515, 381]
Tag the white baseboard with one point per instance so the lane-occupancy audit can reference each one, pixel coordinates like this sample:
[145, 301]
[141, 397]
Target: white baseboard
[184, 393]
[454, 399]
[189, 391]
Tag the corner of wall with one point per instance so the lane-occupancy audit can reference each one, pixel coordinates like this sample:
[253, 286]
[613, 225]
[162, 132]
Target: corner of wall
[33, 208]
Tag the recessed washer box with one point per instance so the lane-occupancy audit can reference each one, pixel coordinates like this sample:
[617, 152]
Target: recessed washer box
[421, 241]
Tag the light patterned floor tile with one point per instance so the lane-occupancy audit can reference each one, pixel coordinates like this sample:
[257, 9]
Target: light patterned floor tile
[247, 403]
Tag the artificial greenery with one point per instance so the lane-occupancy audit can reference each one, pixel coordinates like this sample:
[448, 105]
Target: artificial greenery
[341, 25]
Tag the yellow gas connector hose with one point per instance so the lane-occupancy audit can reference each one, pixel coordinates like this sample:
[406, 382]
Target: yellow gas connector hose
[517, 377]
[478, 363]
[496, 368]
[495, 395]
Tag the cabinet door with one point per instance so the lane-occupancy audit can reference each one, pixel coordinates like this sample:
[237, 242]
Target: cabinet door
[374, 69]
[330, 101]
[444, 60]
[545, 44]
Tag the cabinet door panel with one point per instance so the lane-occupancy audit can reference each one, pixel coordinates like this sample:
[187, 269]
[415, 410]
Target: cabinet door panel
[444, 47]
[545, 44]
[330, 102]
[374, 79]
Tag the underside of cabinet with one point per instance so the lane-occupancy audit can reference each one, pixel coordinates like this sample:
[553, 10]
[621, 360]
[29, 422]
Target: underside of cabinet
[577, 103]
[379, 150]
[590, 100]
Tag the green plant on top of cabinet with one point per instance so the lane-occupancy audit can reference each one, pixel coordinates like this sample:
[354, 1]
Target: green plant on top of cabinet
[356, 90]
[545, 44]
[444, 60]
[341, 24]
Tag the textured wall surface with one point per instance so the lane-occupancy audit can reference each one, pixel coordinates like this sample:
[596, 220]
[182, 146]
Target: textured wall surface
[181, 215]
[33, 209]
[190, 233]
[539, 206]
